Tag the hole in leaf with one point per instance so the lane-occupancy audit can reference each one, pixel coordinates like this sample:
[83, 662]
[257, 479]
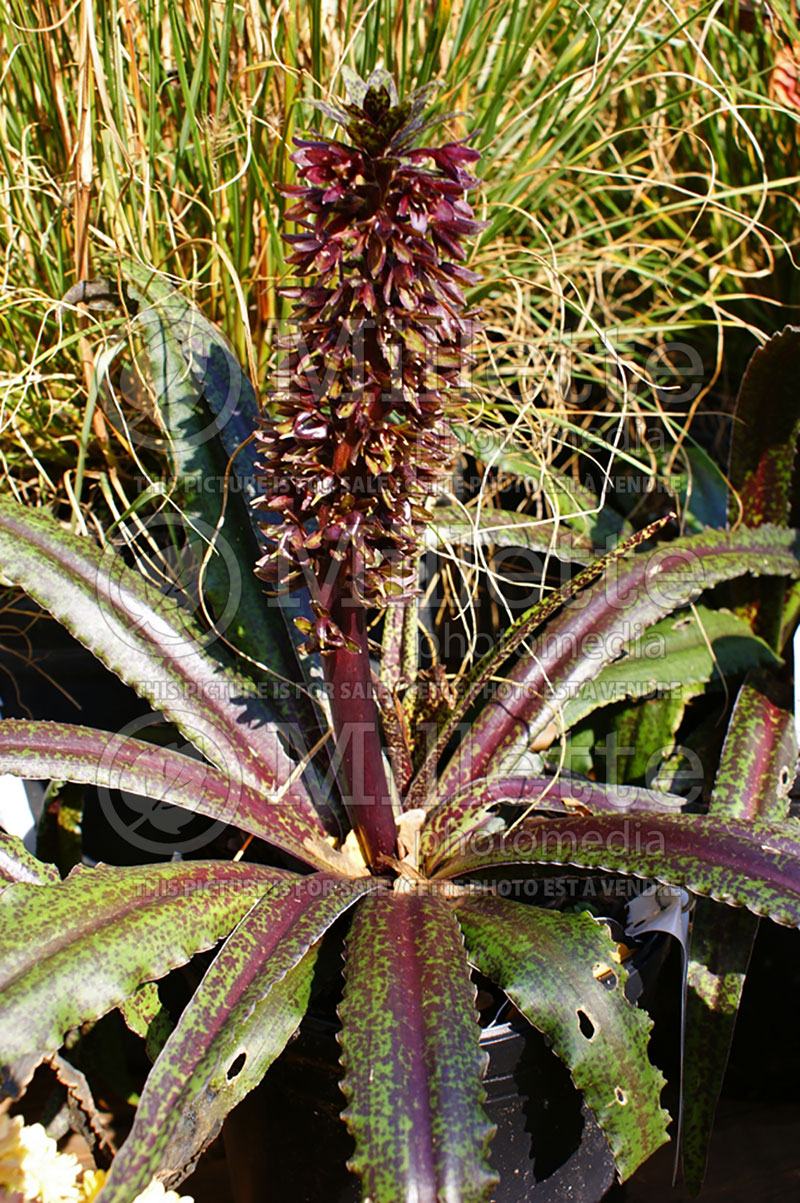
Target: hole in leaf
[587, 1027]
[236, 1067]
[620, 1096]
[785, 778]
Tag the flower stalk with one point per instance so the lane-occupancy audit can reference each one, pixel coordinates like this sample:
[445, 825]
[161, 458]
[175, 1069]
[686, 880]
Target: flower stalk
[355, 721]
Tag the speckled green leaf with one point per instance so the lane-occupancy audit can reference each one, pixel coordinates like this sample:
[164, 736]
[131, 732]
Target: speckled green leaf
[330, 111]
[507, 528]
[141, 1008]
[145, 1014]
[450, 826]
[758, 761]
[790, 613]
[399, 651]
[444, 721]
[17, 864]
[244, 1011]
[72, 951]
[561, 971]
[59, 829]
[150, 643]
[679, 655]
[357, 88]
[398, 670]
[109, 761]
[589, 633]
[720, 949]
[645, 735]
[750, 864]
[411, 1055]
[755, 773]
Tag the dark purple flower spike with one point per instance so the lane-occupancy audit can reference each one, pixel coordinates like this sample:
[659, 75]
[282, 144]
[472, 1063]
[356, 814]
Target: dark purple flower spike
[373, 369]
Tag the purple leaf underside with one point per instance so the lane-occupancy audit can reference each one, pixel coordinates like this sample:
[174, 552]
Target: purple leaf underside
[590, 632]
[755, 865]
[151, 643]
[449, 826]
[411, 1055]
[66, 752]
[764, 437]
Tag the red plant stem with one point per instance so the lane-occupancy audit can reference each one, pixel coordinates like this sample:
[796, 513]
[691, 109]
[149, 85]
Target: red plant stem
[355, 721]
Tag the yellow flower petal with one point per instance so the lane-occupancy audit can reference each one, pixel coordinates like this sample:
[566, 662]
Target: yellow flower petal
[91, 1185]
[50, 1176]
[11, 1154]
[156, 1193]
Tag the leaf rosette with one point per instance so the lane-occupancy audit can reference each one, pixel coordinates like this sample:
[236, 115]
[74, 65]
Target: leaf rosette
[355, 447]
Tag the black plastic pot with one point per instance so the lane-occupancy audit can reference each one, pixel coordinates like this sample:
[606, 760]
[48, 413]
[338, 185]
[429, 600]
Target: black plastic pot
[286, 1140]
[548, 1147]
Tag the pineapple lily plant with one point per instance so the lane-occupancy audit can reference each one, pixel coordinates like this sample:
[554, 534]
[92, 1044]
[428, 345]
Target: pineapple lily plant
[417, 827]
